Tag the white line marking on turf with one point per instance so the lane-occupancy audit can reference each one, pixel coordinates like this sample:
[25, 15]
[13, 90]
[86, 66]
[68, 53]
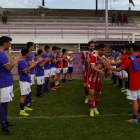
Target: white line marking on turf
[72, 116]
[16, 89]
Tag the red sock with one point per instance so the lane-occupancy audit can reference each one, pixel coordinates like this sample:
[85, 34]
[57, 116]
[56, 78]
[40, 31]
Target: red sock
[97, 100]
[86, 91]
[91, 102]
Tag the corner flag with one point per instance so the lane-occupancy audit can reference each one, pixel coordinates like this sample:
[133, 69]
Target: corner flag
[131, 1]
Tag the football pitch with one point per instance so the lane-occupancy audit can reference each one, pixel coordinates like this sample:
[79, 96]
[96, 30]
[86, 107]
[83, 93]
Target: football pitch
[63, 115]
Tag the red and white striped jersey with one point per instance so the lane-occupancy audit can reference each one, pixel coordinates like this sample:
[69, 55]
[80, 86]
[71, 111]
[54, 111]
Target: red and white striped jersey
[86, 56]
[93, 75]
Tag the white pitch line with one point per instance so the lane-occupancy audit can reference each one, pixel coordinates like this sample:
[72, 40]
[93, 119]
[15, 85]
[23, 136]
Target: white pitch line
[72, 116]
[16, 89]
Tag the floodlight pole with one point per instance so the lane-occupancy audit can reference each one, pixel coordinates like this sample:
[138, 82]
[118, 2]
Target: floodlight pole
[96, 7]
[106, 19]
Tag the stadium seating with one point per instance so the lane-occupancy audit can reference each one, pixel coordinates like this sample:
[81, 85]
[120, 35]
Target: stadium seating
[57, 27]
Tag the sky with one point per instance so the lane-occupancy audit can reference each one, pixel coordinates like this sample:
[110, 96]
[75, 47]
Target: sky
[70, 4]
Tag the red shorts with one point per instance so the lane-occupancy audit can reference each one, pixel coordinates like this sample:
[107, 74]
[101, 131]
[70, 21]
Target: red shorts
[106, 70]
[96, 86]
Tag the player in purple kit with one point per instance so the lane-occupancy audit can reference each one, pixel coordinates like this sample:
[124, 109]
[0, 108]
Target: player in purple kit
[25, 81]
[6, 82]
[53, 67]
[114, 55]
[119, 74]
[40, 72]
[30, 60]
[47, 68]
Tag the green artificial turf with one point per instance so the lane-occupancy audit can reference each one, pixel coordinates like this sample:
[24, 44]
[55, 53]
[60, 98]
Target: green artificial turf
[61, 110]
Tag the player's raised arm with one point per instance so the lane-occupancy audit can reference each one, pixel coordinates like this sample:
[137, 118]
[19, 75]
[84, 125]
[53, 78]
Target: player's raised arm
[116, 63]
[111, 68]
[73, 58]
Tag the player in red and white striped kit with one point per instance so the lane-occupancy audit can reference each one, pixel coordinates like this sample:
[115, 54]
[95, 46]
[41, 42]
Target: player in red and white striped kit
[86, 56]
[95, 79]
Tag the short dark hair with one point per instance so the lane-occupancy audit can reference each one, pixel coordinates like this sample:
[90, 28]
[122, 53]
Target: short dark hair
[122, 47]
[29, 44]
[64, 50]
[46, 47]
[113, 48]
[96, 47]
[58, 48]
[24, 52]
[101, 46]
[54, 48]
[39, 52]
[127, 46]
[90, 42]
[134, 46]
[4, 39]
[35, 55]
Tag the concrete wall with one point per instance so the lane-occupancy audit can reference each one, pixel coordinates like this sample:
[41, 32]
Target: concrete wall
[65, 12]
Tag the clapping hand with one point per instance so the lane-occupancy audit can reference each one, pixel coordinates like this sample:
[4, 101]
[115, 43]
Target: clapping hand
[40, 59]
[32, 65]
[54, 55]
[16, 59]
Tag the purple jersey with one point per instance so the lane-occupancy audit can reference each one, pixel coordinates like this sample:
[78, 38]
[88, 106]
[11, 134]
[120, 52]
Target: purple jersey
[53, 65]
[22, 66]
[39, 70]
[114, 54]
[31, 59]
[6, 77]
[47, 66]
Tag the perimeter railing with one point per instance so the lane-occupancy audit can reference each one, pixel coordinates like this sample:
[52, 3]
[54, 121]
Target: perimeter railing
[59, 31]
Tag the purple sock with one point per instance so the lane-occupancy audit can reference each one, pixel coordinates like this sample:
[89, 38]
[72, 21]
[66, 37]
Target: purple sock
[44, 87]
[40, 88]
[51, 85]
[37, 89]
[2, 114]
[62, 80]
[135, 116]
[121, 83]
[3, 124]
[65, 80]
[115, 79]
[26, 102]
[29, 97]
[4, 107]
[126, 84]
[47, 82]
[22, 106]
